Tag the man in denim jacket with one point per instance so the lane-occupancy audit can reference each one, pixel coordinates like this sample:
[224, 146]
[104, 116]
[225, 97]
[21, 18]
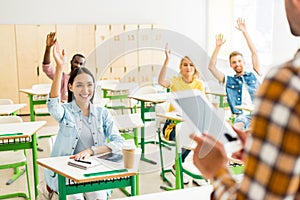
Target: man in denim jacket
[241, 87]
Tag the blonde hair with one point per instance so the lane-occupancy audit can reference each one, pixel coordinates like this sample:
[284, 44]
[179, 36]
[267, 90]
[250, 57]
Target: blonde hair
[196, 73]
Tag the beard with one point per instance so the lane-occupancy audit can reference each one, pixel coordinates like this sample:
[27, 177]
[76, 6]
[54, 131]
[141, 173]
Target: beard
[73, 67]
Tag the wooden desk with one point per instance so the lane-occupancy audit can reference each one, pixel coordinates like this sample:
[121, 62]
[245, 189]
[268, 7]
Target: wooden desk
[86, 184]
[246, 108]
[11, 109]
[193, 193]
[222, 95]
[175, 116]
[9, 140]
[118, 90]
[42, 94]
[153, 99]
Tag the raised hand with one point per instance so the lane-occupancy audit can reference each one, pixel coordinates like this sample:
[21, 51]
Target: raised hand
[241, 25]
[220, 40]
[51, 39]
[59, 56]
[167, 51]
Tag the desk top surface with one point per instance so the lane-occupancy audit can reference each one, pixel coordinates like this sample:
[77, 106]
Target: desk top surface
[10, 108]
[35, 92]
[118, 86]
[155, 98]
[19, 130]
[216, 93]
[193, 193]
[60, 166]
[249, 108]
[171, 115]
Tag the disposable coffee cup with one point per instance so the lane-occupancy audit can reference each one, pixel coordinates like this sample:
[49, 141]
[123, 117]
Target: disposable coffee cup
[128, 151]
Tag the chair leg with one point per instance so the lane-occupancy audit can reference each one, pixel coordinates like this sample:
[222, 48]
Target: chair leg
[17, 173]
[15, 176]
[163, 171]
[27, 177]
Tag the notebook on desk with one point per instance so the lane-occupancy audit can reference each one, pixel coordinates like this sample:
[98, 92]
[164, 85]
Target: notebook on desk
[84, 164]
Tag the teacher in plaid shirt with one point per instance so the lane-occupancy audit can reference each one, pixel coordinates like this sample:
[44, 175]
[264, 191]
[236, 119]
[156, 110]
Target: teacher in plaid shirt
[272, 148]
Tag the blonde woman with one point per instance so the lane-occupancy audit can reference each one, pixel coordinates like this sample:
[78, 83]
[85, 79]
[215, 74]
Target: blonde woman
[186, 80]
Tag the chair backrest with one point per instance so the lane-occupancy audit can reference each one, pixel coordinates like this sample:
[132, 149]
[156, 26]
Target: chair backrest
[183, 131]
[98, 92]
[161, 108]
[10, 119]
[6, 101]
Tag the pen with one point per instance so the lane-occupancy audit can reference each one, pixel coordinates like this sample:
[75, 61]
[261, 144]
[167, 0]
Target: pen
[83, 161]
[106, 172]
[10, 134]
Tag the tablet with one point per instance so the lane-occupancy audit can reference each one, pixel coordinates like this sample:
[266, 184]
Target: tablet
[202, 116]
[113, 157]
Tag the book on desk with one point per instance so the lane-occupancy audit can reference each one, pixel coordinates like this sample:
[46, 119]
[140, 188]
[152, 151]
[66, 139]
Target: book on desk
[84, 164]
[109, 158]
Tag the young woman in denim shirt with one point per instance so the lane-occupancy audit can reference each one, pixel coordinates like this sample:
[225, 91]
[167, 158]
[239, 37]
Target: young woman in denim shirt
[84, 129]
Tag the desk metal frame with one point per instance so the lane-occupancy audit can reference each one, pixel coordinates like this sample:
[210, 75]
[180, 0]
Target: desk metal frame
[144, 110]
[75, 188]
[33, 102]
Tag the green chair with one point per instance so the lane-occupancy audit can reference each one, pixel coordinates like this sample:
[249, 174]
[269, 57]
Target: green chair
[182, 140]
[14, 160]
[183, 131]
[169, 145]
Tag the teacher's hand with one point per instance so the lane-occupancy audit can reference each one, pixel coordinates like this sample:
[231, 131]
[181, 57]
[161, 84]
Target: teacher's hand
[209, 155]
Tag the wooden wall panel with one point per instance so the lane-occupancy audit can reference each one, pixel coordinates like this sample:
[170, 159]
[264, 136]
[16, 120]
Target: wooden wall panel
[8, 64]
[76, 39]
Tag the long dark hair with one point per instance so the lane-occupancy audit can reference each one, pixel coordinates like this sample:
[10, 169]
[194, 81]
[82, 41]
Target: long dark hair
[73, 75]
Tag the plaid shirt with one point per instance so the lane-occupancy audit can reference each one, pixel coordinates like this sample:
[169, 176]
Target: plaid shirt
[272, 154]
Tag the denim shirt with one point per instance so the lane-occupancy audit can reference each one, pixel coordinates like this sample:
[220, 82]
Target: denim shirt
[70, 121]
[234, 86]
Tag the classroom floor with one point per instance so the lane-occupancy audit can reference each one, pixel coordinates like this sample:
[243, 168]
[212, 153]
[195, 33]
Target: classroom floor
[150, 180]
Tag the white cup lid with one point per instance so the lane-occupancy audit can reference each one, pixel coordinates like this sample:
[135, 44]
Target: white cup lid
[129, 144]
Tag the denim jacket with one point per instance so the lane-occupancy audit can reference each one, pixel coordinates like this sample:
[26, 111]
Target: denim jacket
[69, 118]
[234, 86]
